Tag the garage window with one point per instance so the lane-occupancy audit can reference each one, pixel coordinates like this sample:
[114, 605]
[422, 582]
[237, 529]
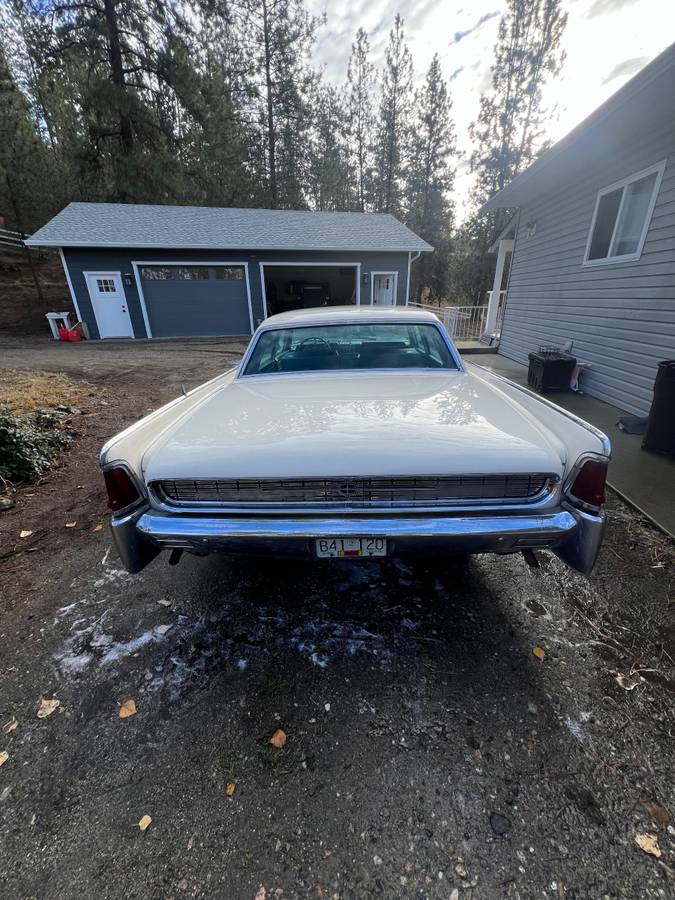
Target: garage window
[191, 273]
[229, 273]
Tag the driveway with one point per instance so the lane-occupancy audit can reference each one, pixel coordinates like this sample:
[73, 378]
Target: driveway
[429, 752]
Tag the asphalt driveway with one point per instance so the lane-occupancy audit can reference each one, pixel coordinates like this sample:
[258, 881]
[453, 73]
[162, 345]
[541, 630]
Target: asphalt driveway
[429, 752]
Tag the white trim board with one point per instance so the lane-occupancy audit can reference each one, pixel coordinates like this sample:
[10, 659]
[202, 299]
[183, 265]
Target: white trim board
[71, 288]
[212, 263]
[327, 264]
[372, 285]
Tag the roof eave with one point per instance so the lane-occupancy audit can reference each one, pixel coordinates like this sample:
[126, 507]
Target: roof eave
[33, 242]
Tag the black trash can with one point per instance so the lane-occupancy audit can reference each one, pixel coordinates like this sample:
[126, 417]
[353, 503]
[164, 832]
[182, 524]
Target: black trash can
[660, 434]
[550, 370]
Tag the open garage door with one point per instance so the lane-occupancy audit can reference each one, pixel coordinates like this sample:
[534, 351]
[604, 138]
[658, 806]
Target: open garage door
[195, 300]
[298, 286]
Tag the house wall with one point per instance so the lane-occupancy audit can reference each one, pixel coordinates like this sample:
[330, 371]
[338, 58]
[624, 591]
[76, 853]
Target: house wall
[620, 316]
[80, 260]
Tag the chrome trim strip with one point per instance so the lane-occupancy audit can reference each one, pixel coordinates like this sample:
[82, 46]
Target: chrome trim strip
[165, 529]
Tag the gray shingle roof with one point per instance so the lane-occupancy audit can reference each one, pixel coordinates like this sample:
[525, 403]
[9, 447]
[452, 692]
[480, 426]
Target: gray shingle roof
[130, 225]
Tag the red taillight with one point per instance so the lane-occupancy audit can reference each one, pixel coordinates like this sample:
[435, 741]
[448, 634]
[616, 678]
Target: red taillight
[122, 492]
[589, 485]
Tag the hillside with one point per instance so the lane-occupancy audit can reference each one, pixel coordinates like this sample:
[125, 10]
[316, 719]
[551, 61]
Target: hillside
[21, 310]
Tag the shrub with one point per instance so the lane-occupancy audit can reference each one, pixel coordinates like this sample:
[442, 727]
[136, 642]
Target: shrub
[29, 443]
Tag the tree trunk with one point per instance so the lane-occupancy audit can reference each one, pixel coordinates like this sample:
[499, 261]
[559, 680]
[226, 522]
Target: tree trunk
[19, 224]
[117, 69]
[271, 136]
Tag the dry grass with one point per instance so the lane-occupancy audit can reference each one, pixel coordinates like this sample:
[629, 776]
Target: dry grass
[26, 392]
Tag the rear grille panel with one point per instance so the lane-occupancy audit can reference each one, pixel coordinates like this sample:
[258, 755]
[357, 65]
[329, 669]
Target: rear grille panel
[356, 492]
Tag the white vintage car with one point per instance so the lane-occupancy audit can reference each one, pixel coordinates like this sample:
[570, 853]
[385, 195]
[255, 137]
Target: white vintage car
[356, 432]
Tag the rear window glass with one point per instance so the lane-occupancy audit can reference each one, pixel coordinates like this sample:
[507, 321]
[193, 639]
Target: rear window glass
[341, 347]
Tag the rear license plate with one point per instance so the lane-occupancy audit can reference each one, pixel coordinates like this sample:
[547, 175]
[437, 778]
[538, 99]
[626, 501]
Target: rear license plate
[350, 547]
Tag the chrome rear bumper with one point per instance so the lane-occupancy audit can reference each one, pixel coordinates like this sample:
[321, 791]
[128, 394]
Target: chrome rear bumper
[575, 536]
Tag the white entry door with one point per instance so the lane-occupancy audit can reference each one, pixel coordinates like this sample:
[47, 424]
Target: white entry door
[384, 289]
[110, 304]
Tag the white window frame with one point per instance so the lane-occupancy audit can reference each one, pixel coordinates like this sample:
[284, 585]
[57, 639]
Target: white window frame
[658, 168]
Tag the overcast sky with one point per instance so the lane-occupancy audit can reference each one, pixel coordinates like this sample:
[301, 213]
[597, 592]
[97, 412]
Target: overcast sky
[606, 41]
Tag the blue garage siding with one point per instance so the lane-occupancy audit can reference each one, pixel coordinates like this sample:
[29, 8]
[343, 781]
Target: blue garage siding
[81, 260]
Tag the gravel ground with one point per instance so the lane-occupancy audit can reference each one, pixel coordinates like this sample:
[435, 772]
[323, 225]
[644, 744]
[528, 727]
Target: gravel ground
[429, 753]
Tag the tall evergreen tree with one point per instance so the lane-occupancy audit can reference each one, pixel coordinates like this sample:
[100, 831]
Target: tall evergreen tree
[393, 132]
[430, 180]
[330, 176]
[509, 131]
[360, 84]
[279, 35]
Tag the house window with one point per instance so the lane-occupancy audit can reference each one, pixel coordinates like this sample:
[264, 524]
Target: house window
[106, 285]
[622, 215]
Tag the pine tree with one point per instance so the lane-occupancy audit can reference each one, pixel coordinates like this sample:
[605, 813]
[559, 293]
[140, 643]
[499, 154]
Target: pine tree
[393, 132]
[510, 125]
[279, 35]
[430, 181]
[330, 176]
[360, 83]
[509, 131]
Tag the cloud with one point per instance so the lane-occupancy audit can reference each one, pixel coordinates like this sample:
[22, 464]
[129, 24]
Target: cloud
[603, 7]
[460, 35]
[626, 68]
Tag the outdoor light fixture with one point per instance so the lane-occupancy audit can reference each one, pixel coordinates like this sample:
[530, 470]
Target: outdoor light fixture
[365, 278]
[128, 279]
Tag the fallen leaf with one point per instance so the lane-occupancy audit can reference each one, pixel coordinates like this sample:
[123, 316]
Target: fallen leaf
[648, 843]
[47, 707]
[25, 534]
[624, 682]
[538, 652]
[145, 823]
[4, 756]
[261, 893]
[71, 524]
[128, 708]
[278, 739]
[33, 819]
[164, 602]
[461, 870]
[229, 790]
[98, 527]
[660, 815]
[8, 727]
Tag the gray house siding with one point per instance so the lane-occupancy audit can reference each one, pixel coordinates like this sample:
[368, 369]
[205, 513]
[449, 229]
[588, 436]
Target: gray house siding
[620, 316]
[81, 260]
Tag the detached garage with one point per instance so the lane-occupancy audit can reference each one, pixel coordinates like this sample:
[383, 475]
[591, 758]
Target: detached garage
[180, 271]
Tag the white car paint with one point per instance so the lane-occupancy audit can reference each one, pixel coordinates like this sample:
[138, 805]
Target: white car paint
[396, 422]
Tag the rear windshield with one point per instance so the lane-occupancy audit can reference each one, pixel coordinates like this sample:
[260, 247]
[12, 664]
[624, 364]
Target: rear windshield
[325, 347]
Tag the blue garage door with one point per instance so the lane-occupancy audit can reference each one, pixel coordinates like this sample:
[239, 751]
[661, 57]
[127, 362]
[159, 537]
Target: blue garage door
[195, 300]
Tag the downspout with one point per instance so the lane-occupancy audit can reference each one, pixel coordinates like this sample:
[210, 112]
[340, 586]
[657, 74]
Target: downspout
[411, 260]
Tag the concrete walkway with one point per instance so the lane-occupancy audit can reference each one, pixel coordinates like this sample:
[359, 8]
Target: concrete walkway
[645, 480]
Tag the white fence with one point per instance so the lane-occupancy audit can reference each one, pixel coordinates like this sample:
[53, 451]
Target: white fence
[463, 323]
[13, 239]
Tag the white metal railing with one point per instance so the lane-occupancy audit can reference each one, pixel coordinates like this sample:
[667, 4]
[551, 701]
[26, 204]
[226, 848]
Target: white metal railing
[463, 323]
